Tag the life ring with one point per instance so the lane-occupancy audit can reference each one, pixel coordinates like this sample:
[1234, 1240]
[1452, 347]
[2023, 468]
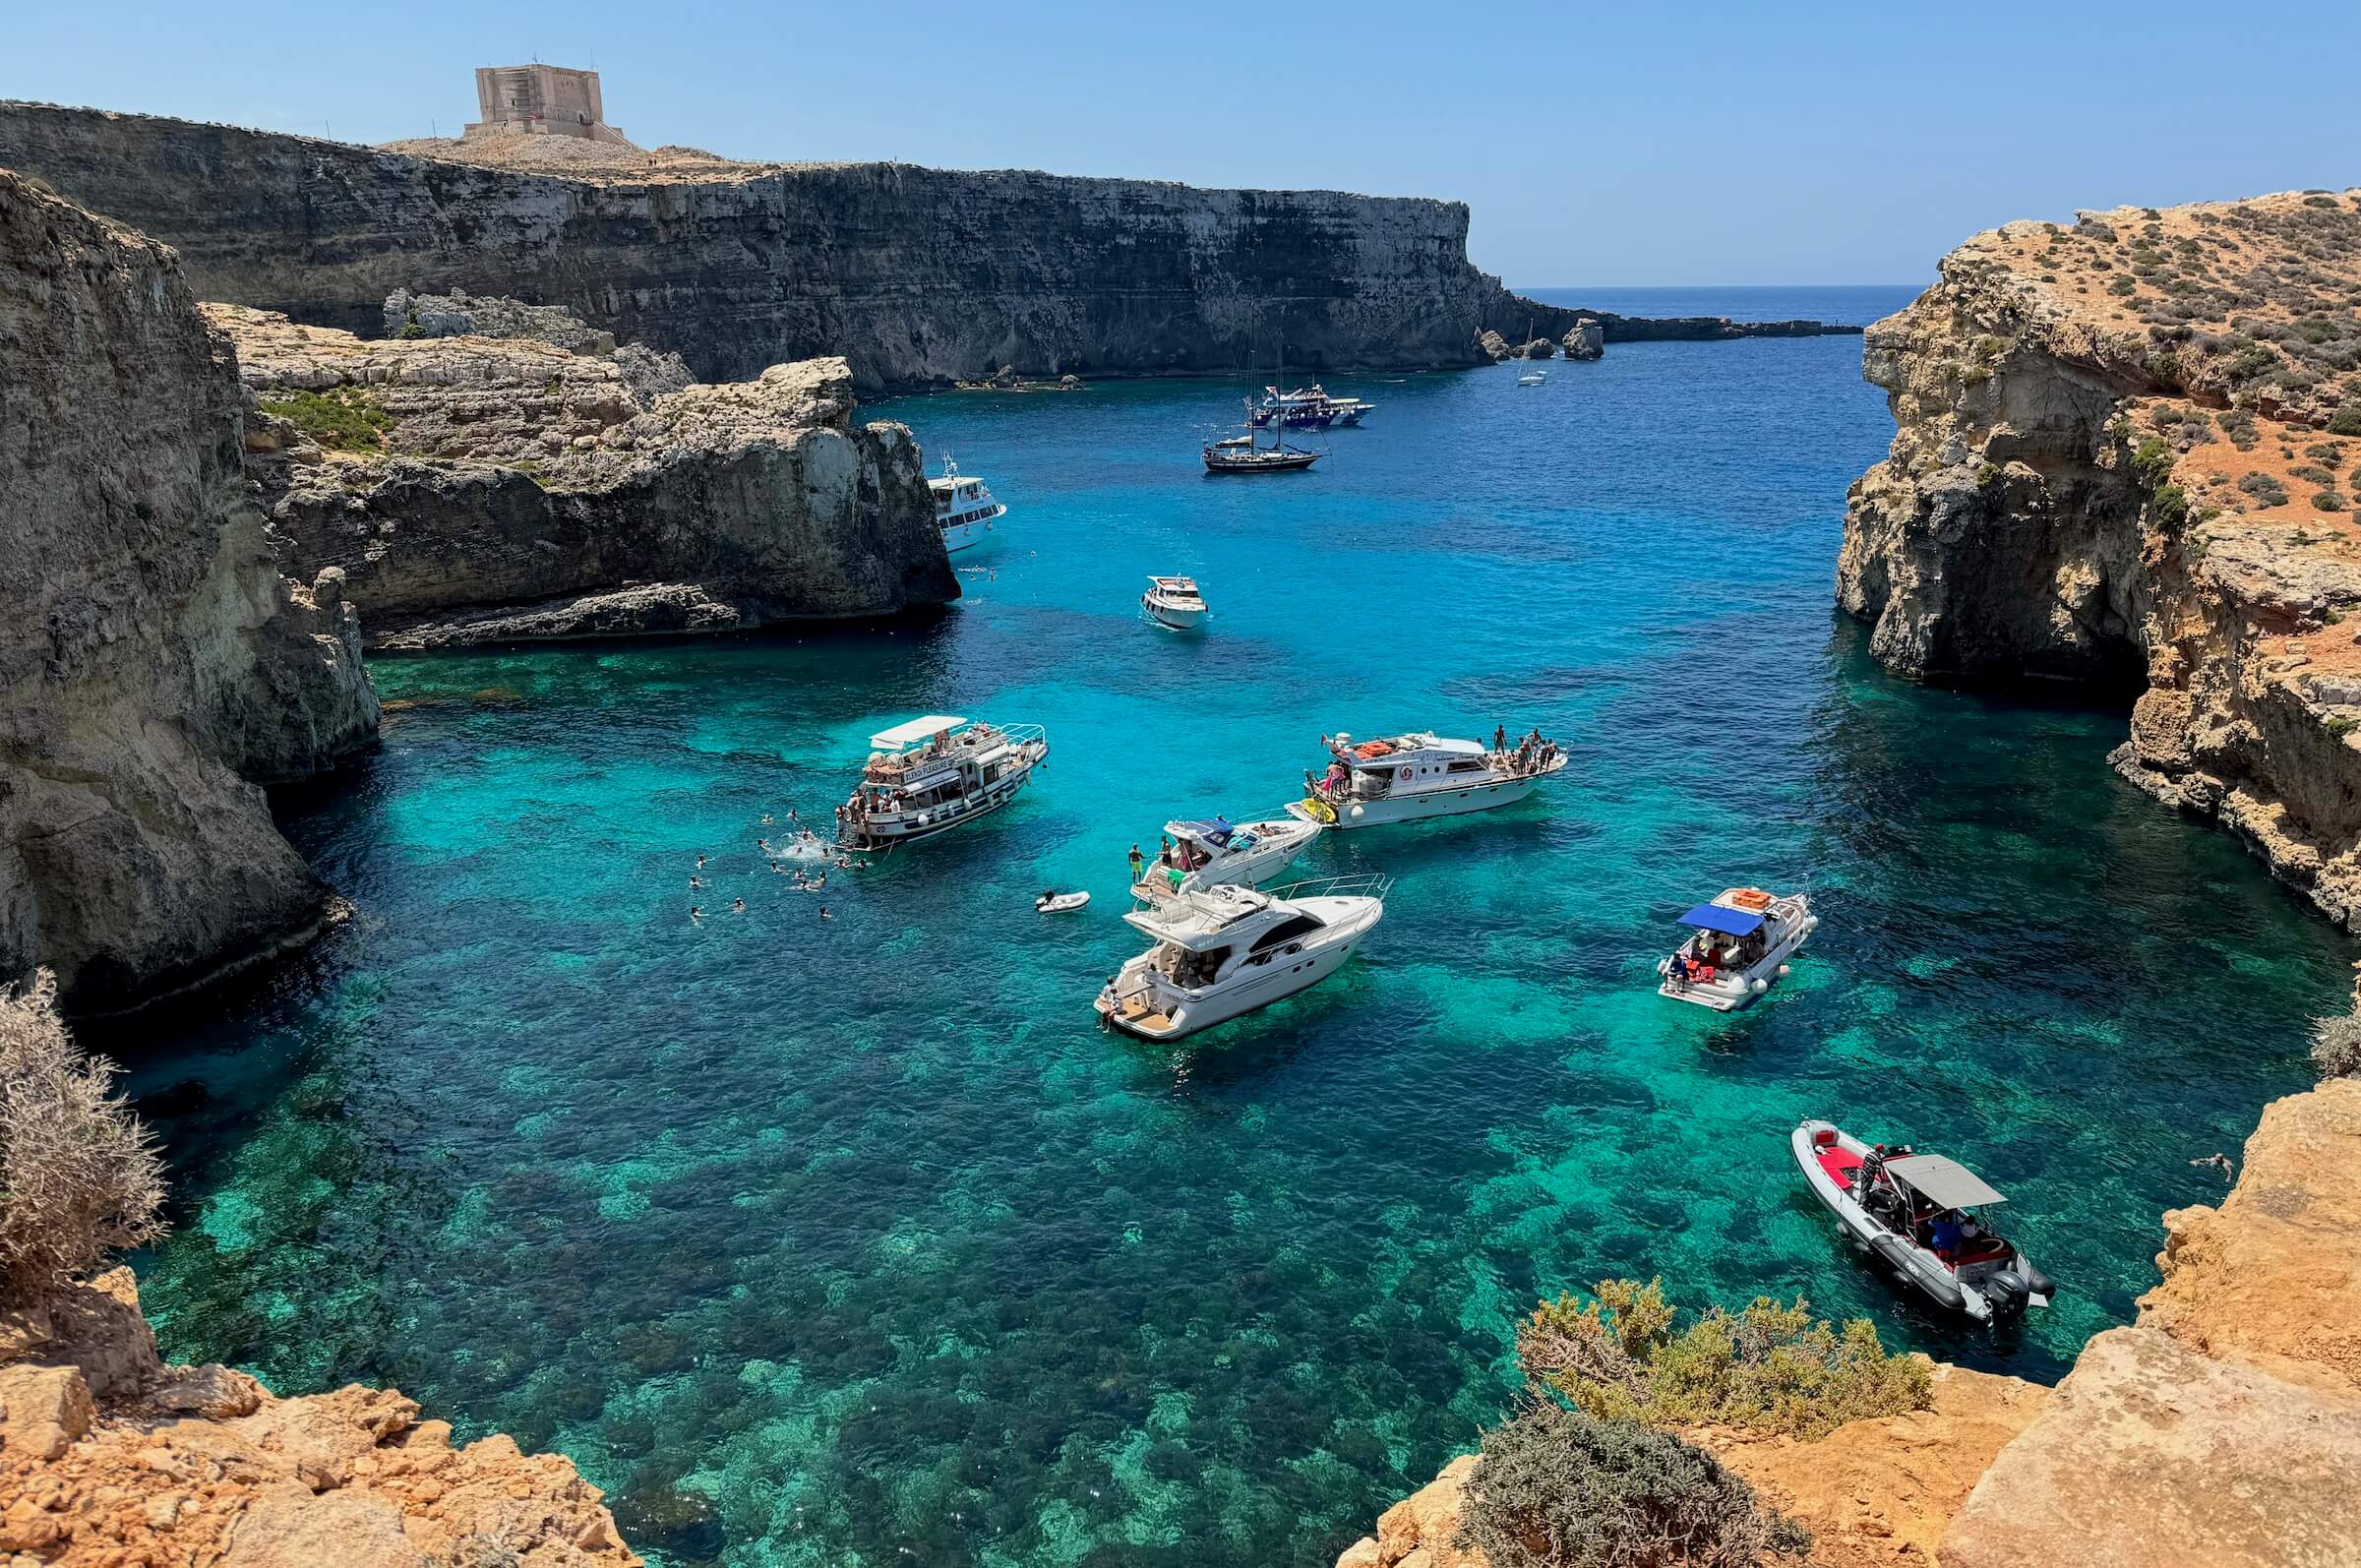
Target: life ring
[1319, 811]
[1402, 774]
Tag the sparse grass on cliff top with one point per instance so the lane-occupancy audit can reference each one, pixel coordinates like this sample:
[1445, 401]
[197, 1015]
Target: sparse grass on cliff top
[2336, 1046]
[343, 419]
[1767, 1369]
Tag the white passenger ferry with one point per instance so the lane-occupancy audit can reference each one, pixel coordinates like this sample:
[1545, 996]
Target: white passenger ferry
[935, 773]
[964, 508]
[1227, 950]
[1411, 777]
[1218, 852]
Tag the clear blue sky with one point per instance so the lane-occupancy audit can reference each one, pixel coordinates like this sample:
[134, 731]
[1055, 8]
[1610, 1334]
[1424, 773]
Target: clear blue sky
[1794, 143]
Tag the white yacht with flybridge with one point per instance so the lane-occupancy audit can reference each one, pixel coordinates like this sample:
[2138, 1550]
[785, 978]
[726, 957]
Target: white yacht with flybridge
[1216, 851]
[964, 508]
[1223, 952]
[935, 773]
[1405, 777]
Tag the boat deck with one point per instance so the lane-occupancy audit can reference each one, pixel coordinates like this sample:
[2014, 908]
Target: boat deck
[1136, 1013]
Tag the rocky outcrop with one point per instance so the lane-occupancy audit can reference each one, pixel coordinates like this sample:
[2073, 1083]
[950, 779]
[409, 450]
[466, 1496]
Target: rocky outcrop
[916, 277]
[1874, 1493]
[2123, 455]
[1585, 339]
[2224, 1428]
[110, 1458]
[1502, 310]
[155, 667]
[476, 490]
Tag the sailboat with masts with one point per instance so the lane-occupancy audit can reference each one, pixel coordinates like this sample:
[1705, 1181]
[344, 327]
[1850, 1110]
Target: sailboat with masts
[1243, 455]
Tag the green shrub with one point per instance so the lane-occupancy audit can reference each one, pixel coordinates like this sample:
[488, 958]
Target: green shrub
[2266, 491]
[2312, 475]
[343, 419]
[2331, 455]
[2346, 420]
[2337, 1041]
[2151, 463]
[2172, 506]
[2342, 725]
[2122, 286]
[2239, 425]
[1769, 1369]
[1560, 1489]
[2328, 501]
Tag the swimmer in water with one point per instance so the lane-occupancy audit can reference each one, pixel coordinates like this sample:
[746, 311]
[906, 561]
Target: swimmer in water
[762, 844]
[2220, 1162]
[737, 906]
[701, 861]
[696, 881]
[695, 913]
[823, 912]
[766, 818]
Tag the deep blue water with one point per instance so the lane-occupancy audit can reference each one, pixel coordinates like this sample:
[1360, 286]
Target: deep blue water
[1852, 304]
[857, 1243]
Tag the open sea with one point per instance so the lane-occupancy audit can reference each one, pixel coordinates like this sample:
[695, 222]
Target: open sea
[856, 1242]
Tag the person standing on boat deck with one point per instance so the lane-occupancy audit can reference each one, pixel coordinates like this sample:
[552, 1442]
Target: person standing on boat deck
[1139, 864]
[1500, 736]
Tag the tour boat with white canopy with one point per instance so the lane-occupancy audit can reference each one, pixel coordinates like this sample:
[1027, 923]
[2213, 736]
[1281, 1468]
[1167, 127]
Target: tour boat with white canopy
[1215, 852]
[1222, 951]
[1742, 942]
[1406, 777]
[1914, 1213]
[935, 773]
[964, 510]
[1175, 601]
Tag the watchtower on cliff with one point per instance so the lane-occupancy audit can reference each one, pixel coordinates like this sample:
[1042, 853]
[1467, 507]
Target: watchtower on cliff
[540, 101]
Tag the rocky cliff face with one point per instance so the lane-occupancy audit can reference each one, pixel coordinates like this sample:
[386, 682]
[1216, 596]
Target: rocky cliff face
[2123, 453]
[108, 1457]
[476, 490]
[154, 666]
[916, 277]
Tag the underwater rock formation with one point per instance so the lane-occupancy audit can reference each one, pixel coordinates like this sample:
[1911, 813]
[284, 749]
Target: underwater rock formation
[155, 667]
[2123, 453]
[479, 490]
[108, 1457]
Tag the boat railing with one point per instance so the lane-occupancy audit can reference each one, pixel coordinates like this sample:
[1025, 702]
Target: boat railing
[1363, 884]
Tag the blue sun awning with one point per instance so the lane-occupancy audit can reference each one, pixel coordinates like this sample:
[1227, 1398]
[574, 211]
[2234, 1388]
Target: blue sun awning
[1729, 922]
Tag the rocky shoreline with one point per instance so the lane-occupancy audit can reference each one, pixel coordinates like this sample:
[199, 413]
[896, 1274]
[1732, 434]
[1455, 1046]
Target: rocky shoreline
[2223, 1427]
[918, 278]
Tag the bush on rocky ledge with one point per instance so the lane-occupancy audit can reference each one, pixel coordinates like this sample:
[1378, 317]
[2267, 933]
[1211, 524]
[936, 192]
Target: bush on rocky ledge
[1560, 1489]
[342, 420]
[2336, 1046]
[79, 1177]
[1767, 1369]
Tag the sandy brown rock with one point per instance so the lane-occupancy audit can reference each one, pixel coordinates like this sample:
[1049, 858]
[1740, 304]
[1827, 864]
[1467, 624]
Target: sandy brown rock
[156, 666]
[516, 489]
[202, 1467]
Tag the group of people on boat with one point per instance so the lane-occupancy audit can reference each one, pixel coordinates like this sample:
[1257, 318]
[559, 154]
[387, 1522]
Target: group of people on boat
[1533, 752]
[1707, 954]
[1952, 1235]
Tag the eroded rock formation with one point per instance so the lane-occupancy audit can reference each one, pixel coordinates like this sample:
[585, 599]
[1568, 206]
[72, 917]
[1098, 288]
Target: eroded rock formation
[155, 668]
[110, 1458]
[478, 490]
[2124, 453]
[916, 277]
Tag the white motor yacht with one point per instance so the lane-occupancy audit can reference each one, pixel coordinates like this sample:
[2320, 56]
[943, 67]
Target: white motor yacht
[935, 773]
[1406, 777]
[1218, 852]
[1175, 601]
[1742, 942]
[1222, 951]
[964, 508]
[1534, 377]
[1911, 1212]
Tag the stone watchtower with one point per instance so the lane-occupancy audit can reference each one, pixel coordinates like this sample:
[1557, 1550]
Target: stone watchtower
[540, 101]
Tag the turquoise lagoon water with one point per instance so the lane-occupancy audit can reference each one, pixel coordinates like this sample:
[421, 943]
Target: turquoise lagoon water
[856, 1242]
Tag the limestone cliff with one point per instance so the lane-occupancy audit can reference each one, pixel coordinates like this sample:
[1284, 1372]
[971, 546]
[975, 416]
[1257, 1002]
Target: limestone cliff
[475, 489]
[2123, 453]
[916, 277]
[154, 666]
[108, 1457]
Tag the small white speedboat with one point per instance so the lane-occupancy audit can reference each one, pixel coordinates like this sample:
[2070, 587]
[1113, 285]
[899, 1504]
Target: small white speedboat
[1175, 601]
[1059, 903]
[1533, 378]
[1742, 942]
[1217, 852]
[1227, 950]
[1912, 1212]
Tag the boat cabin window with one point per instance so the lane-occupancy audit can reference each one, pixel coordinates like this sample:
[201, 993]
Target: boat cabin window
[1467, 764]
[1285, 932]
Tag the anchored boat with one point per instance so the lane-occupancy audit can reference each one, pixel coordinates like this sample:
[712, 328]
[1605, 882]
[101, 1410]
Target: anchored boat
[1175, 601]
[1914, 1213]
[935, 773]
[1241, 454]
[964, 508]
[1222, 951]
[1411, 777]
[1306, 408]
[1216, 853]
[1742, 942]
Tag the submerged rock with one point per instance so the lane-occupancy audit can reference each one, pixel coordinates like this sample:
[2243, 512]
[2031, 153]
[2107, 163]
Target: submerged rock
[156, 665]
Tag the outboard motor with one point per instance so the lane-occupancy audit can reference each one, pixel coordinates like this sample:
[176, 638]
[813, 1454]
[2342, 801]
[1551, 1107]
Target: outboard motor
[2015, 1288]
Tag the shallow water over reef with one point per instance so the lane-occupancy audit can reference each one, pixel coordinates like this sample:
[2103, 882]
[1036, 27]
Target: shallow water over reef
[856, 1242]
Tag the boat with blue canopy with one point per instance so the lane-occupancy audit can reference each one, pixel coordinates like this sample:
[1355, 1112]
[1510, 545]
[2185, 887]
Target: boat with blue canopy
[1739, 944]
[1215, 852]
